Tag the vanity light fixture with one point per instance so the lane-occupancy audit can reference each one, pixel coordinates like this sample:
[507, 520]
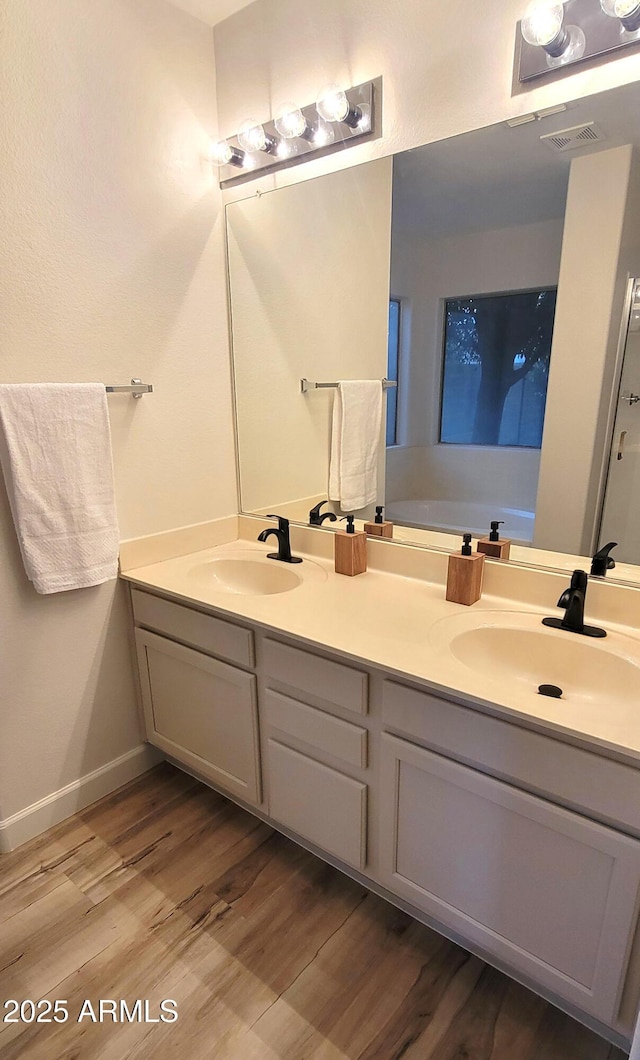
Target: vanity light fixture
[222, 153]
[252, 138]
[627, 11]
[597, 28]
[291, 124]
[543, 26]
[332, 105]
[338, 119]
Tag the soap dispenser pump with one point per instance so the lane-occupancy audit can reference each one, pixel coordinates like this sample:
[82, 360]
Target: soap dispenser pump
[379, 527]
[464, 574]
[350, 550]
[493, 545]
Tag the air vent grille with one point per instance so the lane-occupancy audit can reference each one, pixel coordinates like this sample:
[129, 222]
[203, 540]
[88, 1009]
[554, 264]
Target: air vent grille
[578, 136]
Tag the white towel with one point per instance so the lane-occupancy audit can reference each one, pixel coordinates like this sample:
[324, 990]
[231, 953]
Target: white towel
[355, 443]
[55, 451]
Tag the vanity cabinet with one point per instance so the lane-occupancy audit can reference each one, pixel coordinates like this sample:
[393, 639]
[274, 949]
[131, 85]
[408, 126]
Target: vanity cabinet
[523, 846]
[198, 709]
[316, 752]
[318, 802]
[550, 893]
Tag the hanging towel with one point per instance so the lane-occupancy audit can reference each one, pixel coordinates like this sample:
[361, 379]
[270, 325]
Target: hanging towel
[55, 451]
[355, 443]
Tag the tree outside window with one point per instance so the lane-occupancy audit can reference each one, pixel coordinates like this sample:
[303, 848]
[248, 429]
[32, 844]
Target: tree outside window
[496, 368]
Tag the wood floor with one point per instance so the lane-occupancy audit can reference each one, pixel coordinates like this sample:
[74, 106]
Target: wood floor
[164, 890]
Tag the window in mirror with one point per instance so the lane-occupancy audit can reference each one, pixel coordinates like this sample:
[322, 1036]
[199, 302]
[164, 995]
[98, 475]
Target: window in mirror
[392, 370]
[496, 368]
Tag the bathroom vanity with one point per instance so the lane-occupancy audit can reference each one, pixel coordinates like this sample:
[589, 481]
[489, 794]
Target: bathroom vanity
[337, 713]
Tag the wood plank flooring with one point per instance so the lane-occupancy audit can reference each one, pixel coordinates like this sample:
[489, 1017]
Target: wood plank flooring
[165, 890]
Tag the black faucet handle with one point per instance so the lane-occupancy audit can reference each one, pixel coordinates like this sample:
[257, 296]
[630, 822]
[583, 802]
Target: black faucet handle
[283, 524]
[602, 561]
[315, 519]
[579, 580]
[573, 601]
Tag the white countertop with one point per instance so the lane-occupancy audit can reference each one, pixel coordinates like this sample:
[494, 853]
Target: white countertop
[396, 623]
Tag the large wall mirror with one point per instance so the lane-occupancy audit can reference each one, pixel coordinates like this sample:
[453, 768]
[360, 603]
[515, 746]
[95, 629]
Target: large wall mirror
[491, 275]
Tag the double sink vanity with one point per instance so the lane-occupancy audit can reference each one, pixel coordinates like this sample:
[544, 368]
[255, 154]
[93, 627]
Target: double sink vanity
[403, 739]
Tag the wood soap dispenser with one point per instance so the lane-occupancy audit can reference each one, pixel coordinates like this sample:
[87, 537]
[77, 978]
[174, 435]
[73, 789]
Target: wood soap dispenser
[464, 574]
[350, 550]
[379, 527]
[492, 545]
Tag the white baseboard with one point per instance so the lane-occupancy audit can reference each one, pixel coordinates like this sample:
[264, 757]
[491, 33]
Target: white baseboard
[61, 804]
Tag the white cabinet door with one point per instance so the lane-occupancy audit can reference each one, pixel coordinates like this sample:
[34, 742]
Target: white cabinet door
[546, 891]
[319, 803]
[202, 712]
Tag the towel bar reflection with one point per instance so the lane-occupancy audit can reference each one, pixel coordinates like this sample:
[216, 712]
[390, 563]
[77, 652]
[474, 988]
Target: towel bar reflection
[136, 388]
[307, 384]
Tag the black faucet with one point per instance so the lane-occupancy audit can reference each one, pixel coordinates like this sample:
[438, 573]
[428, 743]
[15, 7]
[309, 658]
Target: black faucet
[284, 544]
[602, 561]
[315, 519]
[573, 600]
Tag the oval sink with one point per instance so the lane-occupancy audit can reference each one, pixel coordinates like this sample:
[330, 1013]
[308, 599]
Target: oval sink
[516, 648]
[250, 573]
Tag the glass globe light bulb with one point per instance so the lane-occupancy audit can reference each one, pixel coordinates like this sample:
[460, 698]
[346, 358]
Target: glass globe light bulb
[332, 103]
[220, 152]
[628, 11]
[542, 22]
[252, 136]
[290, 121]
[619, 8]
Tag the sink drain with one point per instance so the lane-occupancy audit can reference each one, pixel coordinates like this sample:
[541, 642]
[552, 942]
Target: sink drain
[550, 690]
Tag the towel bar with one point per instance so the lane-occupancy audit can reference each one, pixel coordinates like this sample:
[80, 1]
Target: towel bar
[307, 384]
[136, 388]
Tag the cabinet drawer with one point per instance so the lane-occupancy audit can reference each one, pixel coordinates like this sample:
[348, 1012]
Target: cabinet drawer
[544, 889]
[193, 627]
[323, 731]
[324, 679]
[594, 785]
[318, 803]
[201, 711]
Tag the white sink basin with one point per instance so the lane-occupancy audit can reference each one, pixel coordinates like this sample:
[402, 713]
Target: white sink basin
[517, 650]
[249, 573]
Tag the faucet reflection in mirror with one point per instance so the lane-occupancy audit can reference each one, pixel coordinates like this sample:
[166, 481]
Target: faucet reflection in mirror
[338, 119]
[597, 28]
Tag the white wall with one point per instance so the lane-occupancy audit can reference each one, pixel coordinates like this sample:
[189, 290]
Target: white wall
[601, 249]
[111, 265]
[297, 315]
[425, 272]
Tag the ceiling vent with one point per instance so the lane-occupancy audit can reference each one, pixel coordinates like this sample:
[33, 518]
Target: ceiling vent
[569, 139]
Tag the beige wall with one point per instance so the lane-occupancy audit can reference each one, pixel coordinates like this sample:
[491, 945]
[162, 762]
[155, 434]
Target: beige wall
[111, 265]
[601, 248]
[297, 314]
